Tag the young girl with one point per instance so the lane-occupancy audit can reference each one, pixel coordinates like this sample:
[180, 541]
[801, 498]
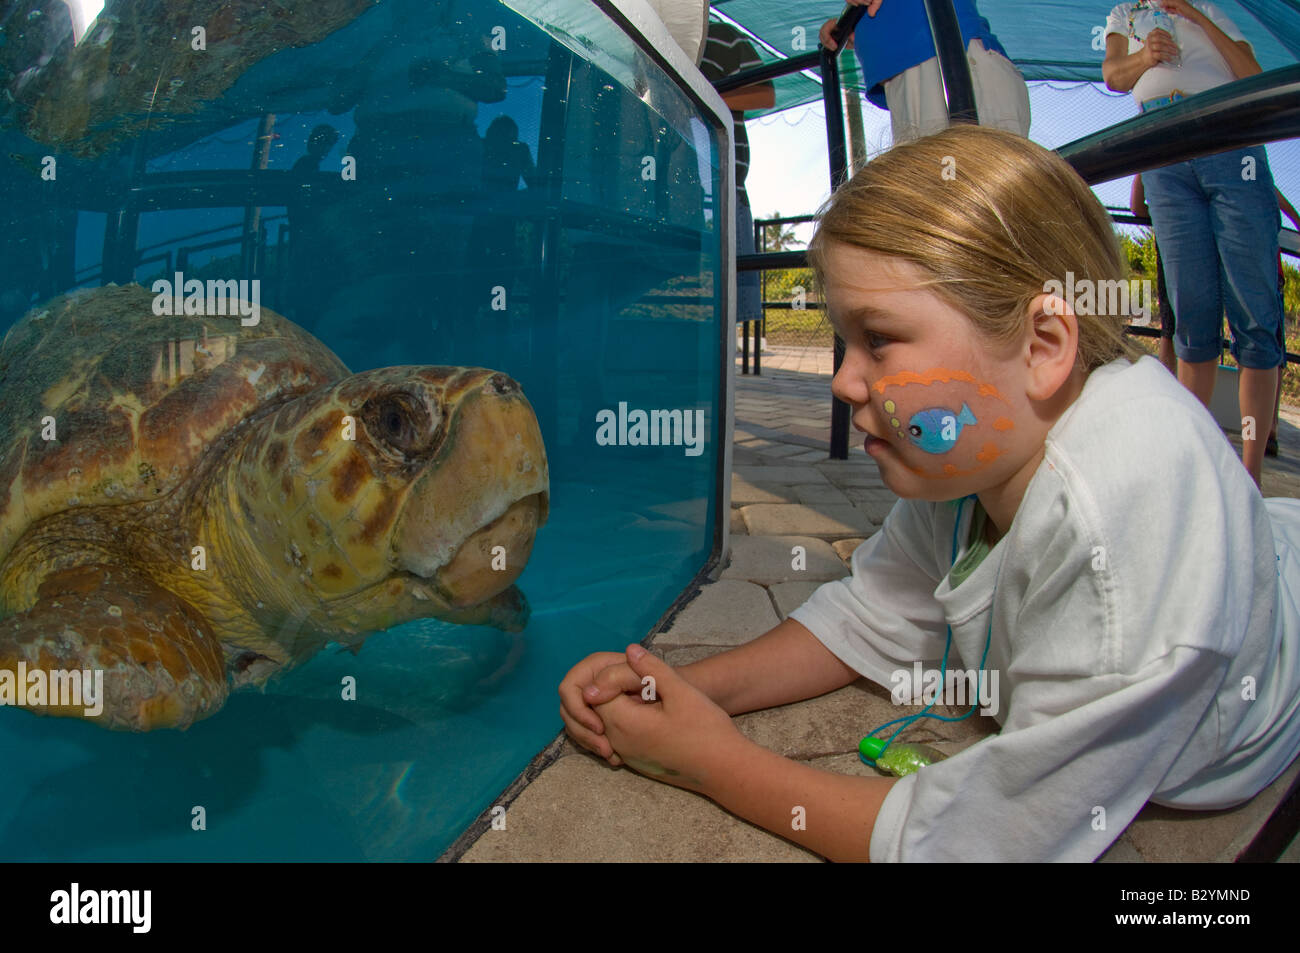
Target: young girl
[1070, 518]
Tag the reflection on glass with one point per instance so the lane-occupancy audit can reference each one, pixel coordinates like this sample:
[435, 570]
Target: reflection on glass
[412, 184]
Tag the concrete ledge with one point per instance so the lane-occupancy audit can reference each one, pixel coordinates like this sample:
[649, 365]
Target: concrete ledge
[787, 475]
[831, 520]
[767, 560]
[1166, 835]
[844, 548]
[789, 596]
[743, 492]
[825, 519]
[728, 612]
[580, 809]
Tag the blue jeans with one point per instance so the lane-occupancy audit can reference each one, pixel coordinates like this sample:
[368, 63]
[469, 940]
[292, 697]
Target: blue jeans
[1218, 247]
[749, 296]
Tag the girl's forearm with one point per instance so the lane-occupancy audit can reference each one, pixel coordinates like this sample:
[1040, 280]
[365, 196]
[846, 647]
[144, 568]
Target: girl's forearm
[831, 814]
[786, 664]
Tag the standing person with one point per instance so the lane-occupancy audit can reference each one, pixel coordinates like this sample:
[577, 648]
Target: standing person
[1271, 448]
[1137, 203]
[727, 52]
[1216, 216]
[901, 71]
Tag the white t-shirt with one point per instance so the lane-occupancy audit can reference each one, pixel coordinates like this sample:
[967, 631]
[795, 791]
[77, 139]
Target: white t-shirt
[1203, 66]
[1165, 670]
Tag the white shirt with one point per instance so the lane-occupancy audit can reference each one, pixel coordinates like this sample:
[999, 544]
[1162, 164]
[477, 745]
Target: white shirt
[1203, 66]
[1117, 685]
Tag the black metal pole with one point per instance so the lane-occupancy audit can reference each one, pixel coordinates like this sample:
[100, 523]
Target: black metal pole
[1260, 108]
[760, 242]
[838, 153]
[953, 65]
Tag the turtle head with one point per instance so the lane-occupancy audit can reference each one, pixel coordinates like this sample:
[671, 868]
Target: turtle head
[396, 494]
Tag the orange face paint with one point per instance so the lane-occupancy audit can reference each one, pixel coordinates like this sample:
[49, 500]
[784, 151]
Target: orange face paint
[936, 430]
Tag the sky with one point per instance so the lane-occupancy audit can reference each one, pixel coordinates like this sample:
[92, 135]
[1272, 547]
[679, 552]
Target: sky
[789, 170]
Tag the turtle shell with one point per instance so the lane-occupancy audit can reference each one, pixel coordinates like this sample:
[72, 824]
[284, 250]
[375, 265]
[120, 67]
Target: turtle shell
[106, 402]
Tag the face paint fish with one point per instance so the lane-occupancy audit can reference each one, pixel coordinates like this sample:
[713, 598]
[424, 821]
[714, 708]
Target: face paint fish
[936, 430]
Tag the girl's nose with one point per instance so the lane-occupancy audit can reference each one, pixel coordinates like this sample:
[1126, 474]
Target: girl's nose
[850, 383]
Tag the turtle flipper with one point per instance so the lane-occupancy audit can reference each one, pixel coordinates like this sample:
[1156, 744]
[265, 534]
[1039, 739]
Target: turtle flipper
[162, 667]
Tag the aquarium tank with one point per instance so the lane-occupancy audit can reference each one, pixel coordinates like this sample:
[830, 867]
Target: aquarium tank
[251, 254]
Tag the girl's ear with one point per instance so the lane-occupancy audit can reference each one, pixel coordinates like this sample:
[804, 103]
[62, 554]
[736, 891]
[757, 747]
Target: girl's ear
[1051, 346]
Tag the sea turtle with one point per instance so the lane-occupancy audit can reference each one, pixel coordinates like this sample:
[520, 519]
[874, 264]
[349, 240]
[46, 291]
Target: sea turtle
[191, 505]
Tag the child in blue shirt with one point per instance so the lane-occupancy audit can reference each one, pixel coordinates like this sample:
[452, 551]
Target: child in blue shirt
[901, 72]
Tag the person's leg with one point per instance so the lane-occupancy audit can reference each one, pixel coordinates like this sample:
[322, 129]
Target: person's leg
[1244, 217]
[1001, 96]
[748, 291]
[1167, 322]
[1190, 265]
[1167, 356]
[1199, 377]
[1271, 449]
[916, 103]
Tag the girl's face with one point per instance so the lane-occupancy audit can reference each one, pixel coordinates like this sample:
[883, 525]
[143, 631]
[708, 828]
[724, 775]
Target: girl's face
[946, 414]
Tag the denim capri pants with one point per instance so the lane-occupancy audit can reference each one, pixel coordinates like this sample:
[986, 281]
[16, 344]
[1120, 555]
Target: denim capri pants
[1217, 228]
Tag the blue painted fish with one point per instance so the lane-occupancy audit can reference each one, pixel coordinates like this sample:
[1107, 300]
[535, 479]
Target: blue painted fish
[936, 430]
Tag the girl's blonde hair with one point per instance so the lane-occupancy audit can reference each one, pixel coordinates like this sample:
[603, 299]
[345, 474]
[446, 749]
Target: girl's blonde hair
[989, 217]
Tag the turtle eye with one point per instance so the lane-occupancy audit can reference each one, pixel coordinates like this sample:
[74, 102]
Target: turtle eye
[400, 422]
[914, 430]
[394, 423]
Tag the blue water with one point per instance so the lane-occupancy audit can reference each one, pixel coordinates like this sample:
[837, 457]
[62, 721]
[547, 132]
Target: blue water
[541, 249]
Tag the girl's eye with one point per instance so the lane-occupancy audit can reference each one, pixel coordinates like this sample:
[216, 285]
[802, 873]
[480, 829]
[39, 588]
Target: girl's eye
[874, 341]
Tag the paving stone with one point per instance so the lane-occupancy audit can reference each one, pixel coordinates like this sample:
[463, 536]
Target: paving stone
[823, 519]
[863, 494]
[766, 560]
[1292, 854]
[738, 523]
[836, 722]
[677, 656]
[809, 456]
[845, 547]
[791, 595]
[1165, 835]
[1121, 852]
[784, 474]
[727, 612]
[744, 492]
[875, 511]
[580, 809]
[781, 450]
[816, 493]
[845, 473]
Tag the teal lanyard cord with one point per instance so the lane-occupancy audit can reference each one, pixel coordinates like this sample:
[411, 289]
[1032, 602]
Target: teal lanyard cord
[943, 666]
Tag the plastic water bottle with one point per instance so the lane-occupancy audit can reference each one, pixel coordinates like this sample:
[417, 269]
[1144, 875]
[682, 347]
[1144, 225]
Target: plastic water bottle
[1163, 21]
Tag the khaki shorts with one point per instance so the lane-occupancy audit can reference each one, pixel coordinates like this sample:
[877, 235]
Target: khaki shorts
[917, 106]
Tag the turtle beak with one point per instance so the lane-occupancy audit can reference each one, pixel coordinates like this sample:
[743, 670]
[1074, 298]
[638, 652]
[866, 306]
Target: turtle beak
[469, 524]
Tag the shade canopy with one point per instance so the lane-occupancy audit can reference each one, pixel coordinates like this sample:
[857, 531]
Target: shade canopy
[1047, 39]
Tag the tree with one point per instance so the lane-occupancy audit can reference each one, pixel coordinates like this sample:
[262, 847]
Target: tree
[779, 237]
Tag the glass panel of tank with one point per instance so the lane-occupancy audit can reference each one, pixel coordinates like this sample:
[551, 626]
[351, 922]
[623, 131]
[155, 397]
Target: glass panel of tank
[253, 256]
